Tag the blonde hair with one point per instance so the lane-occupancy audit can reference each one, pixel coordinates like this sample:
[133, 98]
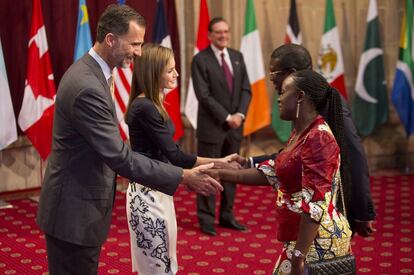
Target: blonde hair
[146, 78]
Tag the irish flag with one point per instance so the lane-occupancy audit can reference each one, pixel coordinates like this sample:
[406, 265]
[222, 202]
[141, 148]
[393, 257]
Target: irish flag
[330, 62]
[258, 114]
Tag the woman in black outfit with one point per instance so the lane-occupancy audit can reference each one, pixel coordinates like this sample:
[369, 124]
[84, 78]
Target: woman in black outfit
[151, 214]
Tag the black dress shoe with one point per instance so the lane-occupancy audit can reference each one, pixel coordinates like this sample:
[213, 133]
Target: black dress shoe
[208, 229]
[233, 224]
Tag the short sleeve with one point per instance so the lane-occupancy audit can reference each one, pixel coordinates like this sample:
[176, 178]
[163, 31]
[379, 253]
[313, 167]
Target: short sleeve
[268, 169]
[320, 163]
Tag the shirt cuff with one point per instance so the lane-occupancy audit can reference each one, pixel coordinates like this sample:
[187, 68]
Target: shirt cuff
[241, 115]
[250, 160]
[228, 117]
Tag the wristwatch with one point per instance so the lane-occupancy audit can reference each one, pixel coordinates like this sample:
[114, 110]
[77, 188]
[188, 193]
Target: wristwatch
[298, 254]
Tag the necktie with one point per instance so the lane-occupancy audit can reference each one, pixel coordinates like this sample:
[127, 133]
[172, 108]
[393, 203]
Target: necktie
[227, 73]
[111, 86]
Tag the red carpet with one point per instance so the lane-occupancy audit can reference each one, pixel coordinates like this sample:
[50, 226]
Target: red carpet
[390, 251]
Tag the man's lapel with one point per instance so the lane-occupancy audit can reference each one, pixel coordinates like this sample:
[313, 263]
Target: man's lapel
[235, 62]
[97, 71]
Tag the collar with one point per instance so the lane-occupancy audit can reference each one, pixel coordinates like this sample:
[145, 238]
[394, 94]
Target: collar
[218, 52]
[104, 66]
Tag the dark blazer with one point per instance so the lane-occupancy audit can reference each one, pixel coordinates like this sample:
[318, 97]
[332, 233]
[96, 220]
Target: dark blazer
[361, 206]
[151, 136]
[87, 152]
[215, 101]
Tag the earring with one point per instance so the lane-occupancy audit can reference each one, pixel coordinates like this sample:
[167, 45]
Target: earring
[297, 109]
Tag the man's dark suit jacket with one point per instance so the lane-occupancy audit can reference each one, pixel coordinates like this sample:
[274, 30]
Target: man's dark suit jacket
[361, 206]
[79, 186]
[215, 99]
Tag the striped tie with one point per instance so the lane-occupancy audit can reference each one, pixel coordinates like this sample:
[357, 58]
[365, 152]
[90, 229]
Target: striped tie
[111, 86]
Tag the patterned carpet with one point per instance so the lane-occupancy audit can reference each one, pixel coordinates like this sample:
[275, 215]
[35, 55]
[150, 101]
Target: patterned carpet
[389, 251]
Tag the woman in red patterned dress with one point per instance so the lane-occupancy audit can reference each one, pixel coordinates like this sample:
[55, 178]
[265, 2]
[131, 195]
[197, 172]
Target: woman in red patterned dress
[306, 175]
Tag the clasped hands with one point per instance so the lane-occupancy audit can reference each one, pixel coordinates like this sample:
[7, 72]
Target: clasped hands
[235, 121]
[202, 178]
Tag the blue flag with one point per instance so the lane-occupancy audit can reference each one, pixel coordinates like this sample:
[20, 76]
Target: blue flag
[83, 32]
[402, 91]
[121, 2]
[161, 35]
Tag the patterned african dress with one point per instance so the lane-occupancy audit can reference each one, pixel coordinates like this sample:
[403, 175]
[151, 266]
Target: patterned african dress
[151, 214]
[306, 178]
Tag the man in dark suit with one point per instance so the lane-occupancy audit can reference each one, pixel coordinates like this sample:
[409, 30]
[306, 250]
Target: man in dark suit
[223, 91]
[79, 186]
[289, 58]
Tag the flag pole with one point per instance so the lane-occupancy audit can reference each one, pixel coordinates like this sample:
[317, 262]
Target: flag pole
[41, 171]
[246, 150]
[408, 169]
[3, 204]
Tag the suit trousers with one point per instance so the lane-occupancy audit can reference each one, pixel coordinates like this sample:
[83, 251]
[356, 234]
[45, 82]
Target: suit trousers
[206, 205]
[70, 259]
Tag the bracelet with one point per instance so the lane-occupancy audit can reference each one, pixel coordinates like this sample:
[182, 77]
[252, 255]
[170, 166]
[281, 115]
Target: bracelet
[298, 254]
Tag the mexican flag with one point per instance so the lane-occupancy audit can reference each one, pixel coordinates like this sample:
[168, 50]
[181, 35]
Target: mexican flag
[330, 62]
[370, 105]
[258, 114]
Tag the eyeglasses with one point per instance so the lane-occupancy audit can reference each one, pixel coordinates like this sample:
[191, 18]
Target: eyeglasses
[278, 74]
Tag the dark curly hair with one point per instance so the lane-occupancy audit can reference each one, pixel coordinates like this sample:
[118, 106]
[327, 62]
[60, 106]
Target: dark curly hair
[115, 19]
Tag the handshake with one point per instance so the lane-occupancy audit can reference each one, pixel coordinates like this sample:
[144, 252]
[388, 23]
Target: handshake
[204, 180]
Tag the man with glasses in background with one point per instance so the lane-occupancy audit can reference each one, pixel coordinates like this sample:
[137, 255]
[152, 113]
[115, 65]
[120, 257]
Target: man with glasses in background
[287, 59]
[223, 91]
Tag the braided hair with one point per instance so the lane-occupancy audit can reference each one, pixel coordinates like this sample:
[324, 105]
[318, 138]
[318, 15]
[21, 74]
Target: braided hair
[325, 97]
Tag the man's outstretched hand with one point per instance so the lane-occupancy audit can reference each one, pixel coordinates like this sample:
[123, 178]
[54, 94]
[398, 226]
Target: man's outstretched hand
[198, 181]
[234, 161]
[364, 228]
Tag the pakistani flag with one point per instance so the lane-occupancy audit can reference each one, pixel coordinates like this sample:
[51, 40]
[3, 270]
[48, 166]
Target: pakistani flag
[330, 61]
[258, 114]
[403, 91]
[370, 106]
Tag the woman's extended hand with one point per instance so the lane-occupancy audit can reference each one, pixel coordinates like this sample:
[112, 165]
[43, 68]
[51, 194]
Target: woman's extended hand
[214, 173]
[233, 161]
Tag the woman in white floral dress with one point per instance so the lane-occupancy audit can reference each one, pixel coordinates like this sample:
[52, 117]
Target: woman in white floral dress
[151, 214]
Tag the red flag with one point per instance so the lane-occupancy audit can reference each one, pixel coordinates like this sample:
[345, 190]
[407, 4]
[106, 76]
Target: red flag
[191, 104]
[172, 99]
[165, 28]
[36, 114]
